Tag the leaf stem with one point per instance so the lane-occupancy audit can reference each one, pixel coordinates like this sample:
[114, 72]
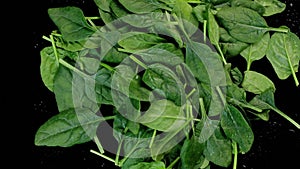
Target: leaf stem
[173, 163]
[136, 60]
[283, 30]
[152, 139]
[103, 156]
[286, 117]
[69, 66]
[235, 152]
[118, 152]
[54, 49]
[204, 30]
[239, 103]
[221, 53]
[98, 144]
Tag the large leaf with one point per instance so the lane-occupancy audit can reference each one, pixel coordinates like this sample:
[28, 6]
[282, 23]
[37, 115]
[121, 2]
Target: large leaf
[237, 128]
[218, 149]
[191, 153]
[68, 128]
[242, 23]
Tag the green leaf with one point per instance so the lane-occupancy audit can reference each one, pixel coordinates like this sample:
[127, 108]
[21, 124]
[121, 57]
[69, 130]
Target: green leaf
[272, 6]
[49, 65]
[165, 83]
[200, 12]
[149, 165]
[213, 28]
[237, 128]
[184, 11]
[249, 4]
[63, 89]
[163, 115]
[256, 82]
[256, 51]
[142, 6]
[65, 130]
[242, 23]
[283, 53]
[71, 23]
[229, 45]
[103, 4]
[134, 41]
[218, 149]
[172, 55]
[191, 153]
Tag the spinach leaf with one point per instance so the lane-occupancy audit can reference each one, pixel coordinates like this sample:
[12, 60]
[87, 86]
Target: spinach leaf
[163, 115]
[218, 149]
[165, 82]
[71, 23]
[192, 153]
[256, 51]
[68, 128]
[272, 6]
[256, 82]
[283, 53]
[242, 23]
[147, 6]
[237, 128]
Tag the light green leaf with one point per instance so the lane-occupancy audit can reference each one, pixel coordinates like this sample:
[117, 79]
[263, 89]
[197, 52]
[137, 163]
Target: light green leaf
[256, 82]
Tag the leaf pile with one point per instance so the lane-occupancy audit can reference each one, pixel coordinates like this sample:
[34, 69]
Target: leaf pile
[159, 72]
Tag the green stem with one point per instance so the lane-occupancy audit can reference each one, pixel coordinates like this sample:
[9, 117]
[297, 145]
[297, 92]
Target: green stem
[152, 139]
[189, 94]
[249, 106]
[138, 62]
[55, 50]
[69, 66]
[92, 17]
[46, 38]
[221, 95]
[283, 30]
[286, 117]
[222, 55]
[173, 163]
[103, 156]
[194, 2]
[107, 67]
[204, 30]
[118, 152]
[235, 151]
[98, 144]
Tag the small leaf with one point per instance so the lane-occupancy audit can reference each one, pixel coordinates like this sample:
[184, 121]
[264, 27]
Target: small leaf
[256, 82]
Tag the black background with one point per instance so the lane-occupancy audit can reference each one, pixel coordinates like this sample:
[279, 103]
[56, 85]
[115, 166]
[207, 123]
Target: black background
[277, 142]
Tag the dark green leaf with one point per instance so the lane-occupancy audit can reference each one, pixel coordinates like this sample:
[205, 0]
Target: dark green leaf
[242, 23]
[68, 128]
[71, 23]
[237, 128]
